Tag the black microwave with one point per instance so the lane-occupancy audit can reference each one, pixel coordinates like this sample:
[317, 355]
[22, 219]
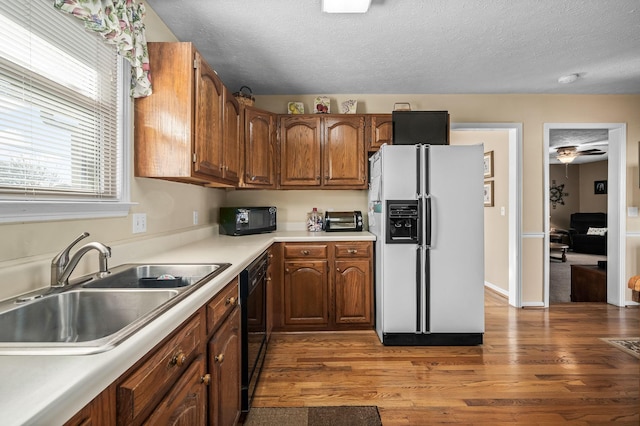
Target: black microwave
[247, 220]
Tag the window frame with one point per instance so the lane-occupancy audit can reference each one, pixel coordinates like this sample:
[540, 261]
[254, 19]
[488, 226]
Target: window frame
[16, 211]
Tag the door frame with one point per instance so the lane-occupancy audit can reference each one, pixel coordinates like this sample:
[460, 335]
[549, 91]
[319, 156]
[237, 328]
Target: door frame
[616, 202]
[514, 203]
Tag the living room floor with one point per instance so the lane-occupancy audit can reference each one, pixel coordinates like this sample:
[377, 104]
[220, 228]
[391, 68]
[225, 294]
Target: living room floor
[560, 274]
[536, 366]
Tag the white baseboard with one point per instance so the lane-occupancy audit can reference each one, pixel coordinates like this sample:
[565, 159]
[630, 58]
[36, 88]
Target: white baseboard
[497, 289]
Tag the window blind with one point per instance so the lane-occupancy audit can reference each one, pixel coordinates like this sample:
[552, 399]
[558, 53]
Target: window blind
[60, 107]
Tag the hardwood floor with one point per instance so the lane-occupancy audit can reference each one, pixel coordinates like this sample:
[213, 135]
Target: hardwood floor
[536, 366]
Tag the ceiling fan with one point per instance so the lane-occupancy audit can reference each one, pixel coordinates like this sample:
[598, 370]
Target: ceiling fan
[566, 154]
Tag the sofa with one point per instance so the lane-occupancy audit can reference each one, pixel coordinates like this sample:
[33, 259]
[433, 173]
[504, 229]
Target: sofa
[588, 233]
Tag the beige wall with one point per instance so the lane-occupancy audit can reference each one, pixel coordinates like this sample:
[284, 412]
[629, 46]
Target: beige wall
[579, 187]
[496, 224]
[170, 205]
[589, 173]
[570, 178]
[533, 111]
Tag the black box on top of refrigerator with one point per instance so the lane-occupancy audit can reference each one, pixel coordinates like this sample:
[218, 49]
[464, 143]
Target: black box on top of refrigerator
[420, 127]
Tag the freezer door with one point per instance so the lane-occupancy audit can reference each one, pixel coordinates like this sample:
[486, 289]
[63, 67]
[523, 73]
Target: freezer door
[398, 304]
[396, 264]
[399, 172]
[456, 281]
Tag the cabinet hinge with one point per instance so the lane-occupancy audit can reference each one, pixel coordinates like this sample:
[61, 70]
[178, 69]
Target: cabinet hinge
[195, 64]
[195, 157]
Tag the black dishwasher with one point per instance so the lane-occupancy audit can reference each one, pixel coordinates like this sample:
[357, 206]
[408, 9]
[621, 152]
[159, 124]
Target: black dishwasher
[253, 310]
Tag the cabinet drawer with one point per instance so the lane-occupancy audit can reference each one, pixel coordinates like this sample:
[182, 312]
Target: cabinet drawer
[221, 306]
[315, 251]
[145, 386]
[353, 249]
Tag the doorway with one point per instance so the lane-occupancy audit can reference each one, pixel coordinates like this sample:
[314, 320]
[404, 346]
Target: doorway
[514, 204]
[615, 205]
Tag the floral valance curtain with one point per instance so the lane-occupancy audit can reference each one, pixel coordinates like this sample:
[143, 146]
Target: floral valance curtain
[119, 22]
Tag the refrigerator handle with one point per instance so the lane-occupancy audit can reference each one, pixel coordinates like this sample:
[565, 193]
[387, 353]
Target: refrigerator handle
[418, 172]
[429, 216]
[418, 299]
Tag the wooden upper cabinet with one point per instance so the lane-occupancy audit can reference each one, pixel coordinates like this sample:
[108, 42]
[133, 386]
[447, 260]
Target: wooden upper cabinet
[344, 159]
[379, 131]
[300, 151]
[179, 128]
[232, 138]
[322, 151]
[259, 149]
[209, 97]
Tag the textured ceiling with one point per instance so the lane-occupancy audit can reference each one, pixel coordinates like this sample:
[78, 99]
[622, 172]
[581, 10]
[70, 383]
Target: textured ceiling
[582, 139]
[415, 46]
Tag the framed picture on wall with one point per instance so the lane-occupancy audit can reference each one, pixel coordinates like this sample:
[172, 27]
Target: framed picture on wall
[600, 187]
[488, 164]
[488, 193]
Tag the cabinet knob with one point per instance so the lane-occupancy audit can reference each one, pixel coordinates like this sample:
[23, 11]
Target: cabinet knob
[221, 167]
[219, 358]
[253, 178]
[338, 269]
[352, 251]
[286, 269]
[270, 256]
[179, 359]
[206, 379]
[268, 278]
[305, 252]
[231, 301]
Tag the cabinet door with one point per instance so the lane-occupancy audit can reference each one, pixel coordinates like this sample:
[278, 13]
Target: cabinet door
[353, 292]
[186, 403]
[380, 131]
[306, 293]
[259, 157]
[300, 151]
[208, 142]
[224, 365]
[99, 412]
[232, 138]
[344, 152]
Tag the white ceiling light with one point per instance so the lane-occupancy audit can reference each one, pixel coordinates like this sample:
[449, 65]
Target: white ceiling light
[345, 6]
[566, 155]
[570, 78]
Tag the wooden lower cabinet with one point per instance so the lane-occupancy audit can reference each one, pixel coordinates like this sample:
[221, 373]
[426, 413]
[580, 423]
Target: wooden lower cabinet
[306, 293]
[224, 366]
[326, 286]
[101, 411]
[191, 378]
[353, 292]
[185, 404]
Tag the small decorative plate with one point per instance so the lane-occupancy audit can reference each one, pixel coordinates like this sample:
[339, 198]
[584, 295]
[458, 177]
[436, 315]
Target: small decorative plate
[349, 106]
[321, 105]
[295, 108]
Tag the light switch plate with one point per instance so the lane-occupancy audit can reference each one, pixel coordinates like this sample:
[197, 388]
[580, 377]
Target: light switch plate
[632, 211]
[195, 217]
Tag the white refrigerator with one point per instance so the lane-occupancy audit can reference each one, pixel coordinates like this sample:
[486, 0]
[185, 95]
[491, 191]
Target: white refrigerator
[426, 208]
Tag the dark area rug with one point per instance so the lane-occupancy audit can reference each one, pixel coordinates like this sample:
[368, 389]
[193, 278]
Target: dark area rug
[630, 345]
[314, 416]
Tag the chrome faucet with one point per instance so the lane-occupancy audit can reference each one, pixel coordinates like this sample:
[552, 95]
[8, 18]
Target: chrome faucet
[62, 266]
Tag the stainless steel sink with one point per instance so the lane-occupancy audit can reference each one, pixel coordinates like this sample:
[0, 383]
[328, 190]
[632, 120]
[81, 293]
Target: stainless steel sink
[156, 275]
[99, 312]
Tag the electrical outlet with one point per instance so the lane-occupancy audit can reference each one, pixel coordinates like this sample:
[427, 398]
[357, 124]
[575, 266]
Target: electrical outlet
[139, 223]
[195, 217]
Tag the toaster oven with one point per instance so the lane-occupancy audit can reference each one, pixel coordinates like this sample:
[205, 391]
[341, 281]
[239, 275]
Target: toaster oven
[343, 221]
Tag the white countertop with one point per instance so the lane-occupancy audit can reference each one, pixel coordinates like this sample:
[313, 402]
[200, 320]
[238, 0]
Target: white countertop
[46, 390]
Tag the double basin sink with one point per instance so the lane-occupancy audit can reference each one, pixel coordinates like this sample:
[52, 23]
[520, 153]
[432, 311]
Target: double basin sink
[98, 312]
